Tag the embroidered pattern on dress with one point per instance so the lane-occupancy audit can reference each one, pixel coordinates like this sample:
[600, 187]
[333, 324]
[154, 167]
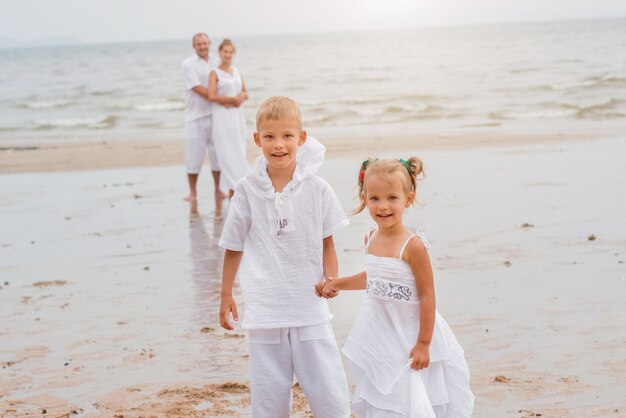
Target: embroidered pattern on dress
[388, 290]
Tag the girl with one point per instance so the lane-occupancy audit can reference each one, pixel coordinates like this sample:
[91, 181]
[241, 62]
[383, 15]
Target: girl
[227, 91]
[405, 360]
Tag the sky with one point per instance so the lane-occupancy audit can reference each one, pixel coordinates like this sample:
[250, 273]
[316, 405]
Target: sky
[99, 21]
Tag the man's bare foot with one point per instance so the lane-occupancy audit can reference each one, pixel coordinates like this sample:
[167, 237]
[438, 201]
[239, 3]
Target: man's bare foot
[193, 208]
[190, 198]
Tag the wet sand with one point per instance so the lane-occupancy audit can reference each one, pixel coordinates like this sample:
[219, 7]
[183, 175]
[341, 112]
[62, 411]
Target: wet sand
[109, 285]
[50, 156]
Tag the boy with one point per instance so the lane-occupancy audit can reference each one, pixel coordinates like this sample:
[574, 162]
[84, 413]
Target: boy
[279, 229]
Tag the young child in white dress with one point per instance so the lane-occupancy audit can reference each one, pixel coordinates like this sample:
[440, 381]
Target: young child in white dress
[278, 241]
[404, 357]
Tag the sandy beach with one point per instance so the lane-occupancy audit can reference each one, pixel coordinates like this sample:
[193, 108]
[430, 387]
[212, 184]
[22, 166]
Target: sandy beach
[109, 284]
[55, 156]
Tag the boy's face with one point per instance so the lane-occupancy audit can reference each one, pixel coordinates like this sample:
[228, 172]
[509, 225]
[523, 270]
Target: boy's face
[279, 140]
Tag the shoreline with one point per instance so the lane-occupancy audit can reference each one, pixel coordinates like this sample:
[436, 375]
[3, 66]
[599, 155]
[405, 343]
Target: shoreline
[38, 157]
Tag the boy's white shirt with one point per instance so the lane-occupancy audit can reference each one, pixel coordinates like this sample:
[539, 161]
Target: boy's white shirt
[278, 273]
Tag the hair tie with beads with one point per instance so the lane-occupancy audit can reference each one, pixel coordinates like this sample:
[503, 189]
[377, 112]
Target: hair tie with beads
[364, 165]
[406, 164]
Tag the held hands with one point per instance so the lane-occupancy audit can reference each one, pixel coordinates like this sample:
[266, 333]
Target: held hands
[420, 356]
[326, 288]
[237, 100]
[241, 97]
[228, 306]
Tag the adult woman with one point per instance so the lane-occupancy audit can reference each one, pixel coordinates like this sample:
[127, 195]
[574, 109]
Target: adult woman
[227, 92]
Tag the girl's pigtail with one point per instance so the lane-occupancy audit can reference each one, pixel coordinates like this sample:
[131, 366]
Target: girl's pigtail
[416, 167]
[361, 184]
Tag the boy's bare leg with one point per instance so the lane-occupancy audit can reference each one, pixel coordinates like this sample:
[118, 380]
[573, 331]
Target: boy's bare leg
[193, 180]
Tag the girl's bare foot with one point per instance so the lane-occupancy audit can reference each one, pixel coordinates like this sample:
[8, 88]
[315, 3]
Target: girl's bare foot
[190, 198]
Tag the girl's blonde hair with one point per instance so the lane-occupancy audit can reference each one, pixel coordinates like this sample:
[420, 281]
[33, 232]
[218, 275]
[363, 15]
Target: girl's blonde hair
[226, 42]
[411, 171]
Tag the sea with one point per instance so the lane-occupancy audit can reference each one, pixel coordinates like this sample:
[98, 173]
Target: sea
[547, 76]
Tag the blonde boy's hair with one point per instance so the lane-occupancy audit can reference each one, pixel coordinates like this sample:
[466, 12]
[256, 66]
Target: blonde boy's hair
[278, 107]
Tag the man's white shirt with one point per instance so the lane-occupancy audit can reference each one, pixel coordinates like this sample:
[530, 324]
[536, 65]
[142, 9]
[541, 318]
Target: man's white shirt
[195, 72]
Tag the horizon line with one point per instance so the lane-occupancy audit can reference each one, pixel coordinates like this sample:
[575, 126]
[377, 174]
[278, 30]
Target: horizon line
[79, 42]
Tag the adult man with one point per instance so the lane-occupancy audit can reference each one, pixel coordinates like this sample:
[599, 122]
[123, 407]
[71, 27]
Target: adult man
[195, 71]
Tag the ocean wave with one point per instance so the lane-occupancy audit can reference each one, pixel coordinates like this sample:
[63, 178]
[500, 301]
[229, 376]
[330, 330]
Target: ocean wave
[609, 109]
[162, 125]
[606, 80]
[419, 108]
[102, 92]
[44, 104]
[161, 105]
[368, 100]
[102, 122]
[524, 70]
[381, 115]
[531, 114]
[573, 85]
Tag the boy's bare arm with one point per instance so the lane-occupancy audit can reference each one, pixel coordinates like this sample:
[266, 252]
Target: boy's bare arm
[228, 305]
[331, 265]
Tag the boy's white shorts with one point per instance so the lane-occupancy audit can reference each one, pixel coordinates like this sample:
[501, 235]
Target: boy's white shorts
[311, 354]
[198, 138]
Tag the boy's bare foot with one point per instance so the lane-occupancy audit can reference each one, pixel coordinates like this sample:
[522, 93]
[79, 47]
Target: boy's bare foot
[190, 198]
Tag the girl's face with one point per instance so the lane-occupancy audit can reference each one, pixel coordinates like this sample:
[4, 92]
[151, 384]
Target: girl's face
[226, 53]
[386, 199]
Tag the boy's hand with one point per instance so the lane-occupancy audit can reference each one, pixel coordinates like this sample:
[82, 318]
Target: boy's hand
[319, 287]
[330, 289]
[228, 306]
[420, 356]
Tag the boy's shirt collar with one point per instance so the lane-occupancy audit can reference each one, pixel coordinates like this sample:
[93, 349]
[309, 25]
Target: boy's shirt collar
[309, 159]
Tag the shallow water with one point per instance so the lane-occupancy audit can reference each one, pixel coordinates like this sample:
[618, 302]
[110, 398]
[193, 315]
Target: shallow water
[549, 76]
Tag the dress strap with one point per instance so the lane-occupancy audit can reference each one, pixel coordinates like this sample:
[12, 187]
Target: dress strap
[404, 246]
[370, 235]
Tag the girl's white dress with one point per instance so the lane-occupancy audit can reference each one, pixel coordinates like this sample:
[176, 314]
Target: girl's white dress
[378, 346]
[229, 131]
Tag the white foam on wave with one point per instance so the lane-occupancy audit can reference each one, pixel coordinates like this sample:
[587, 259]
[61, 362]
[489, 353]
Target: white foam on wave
[101, 122]
[44, 104]
[160, 105]
[533, 114]
[574, 85]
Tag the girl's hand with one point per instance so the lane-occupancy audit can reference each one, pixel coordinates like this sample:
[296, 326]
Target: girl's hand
[420, 356]
[330, 288]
